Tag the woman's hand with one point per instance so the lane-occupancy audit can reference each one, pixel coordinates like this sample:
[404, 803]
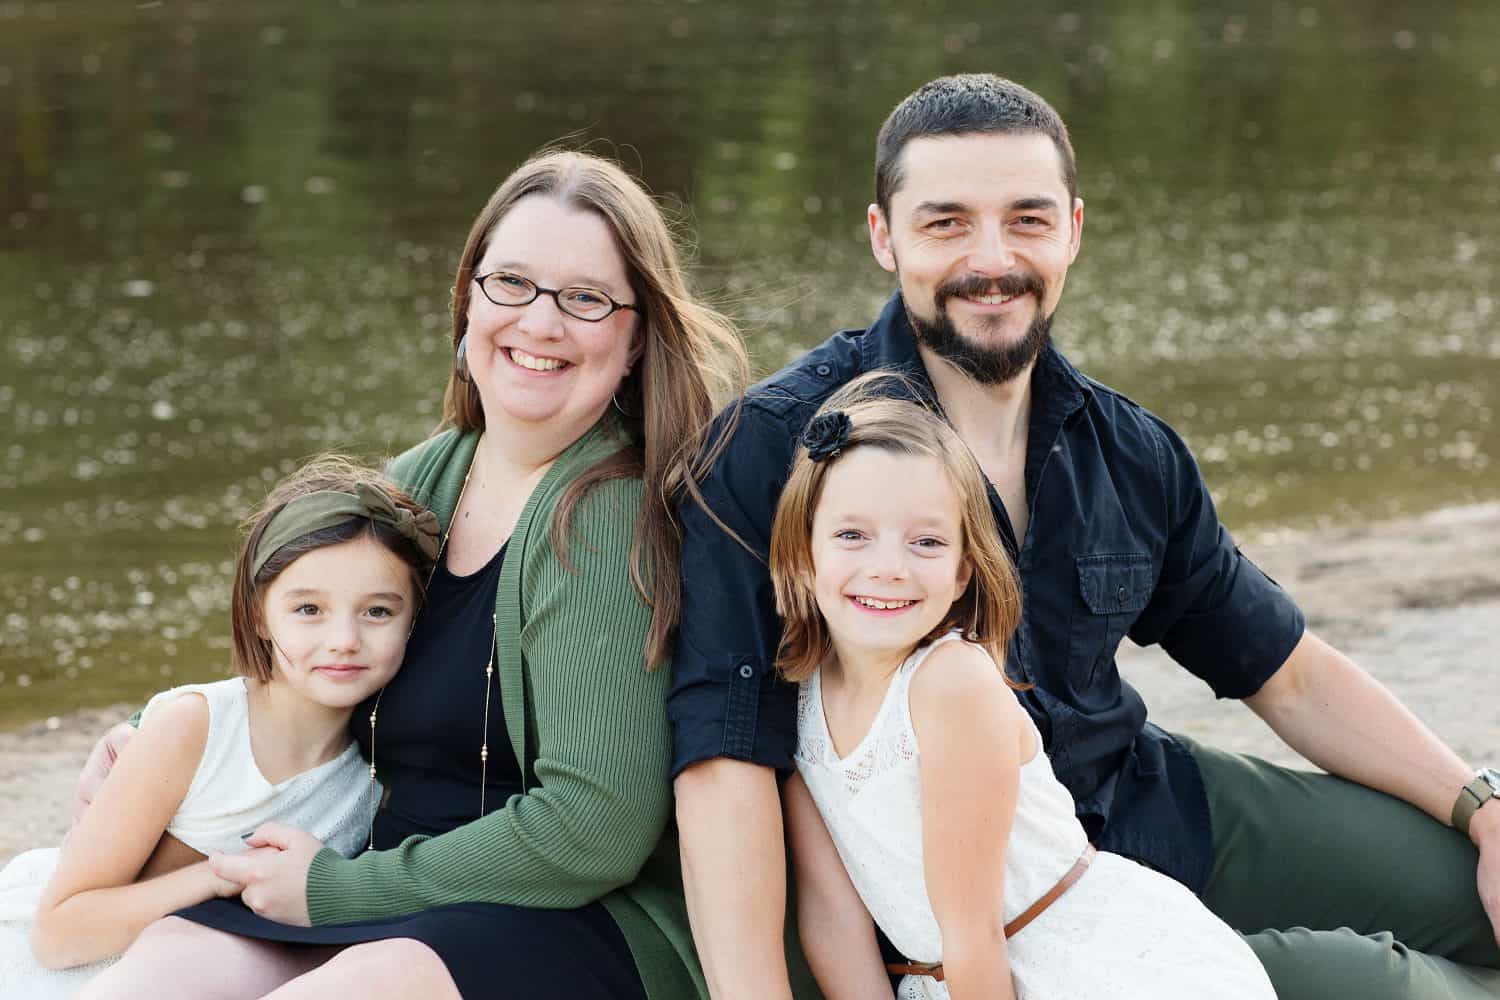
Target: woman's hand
[273, 872]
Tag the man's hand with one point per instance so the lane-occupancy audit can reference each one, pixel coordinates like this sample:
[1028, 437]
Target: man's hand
[1484, 830]
[101, 760]
[273, 872]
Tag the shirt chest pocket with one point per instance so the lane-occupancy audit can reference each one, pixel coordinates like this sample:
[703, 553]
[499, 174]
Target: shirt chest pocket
[1112, 590]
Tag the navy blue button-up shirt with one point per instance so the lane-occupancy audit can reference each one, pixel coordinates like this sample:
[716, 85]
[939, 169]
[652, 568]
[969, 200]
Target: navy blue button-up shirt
[1122, 540]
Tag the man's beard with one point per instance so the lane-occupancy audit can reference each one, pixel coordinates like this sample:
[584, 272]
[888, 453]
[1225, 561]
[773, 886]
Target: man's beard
[985, 364]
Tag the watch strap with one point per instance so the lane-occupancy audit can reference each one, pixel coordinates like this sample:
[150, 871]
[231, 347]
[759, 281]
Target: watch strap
[1475, 794]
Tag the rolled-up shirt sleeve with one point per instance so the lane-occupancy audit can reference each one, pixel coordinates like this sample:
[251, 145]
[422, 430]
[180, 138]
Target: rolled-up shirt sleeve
[1213, 610]
[725, 699]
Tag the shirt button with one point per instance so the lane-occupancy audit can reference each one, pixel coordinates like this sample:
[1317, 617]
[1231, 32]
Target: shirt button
[824, 370]
[747, 671]
[1122, 595]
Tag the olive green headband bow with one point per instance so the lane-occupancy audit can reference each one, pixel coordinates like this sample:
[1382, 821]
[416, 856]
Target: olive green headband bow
[326, 508]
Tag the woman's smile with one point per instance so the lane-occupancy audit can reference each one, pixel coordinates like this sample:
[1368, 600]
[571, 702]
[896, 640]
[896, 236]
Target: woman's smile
[538, 363]
[532, 362]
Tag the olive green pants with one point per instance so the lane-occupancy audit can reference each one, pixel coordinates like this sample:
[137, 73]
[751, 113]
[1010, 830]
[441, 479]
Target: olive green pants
[1341, 891]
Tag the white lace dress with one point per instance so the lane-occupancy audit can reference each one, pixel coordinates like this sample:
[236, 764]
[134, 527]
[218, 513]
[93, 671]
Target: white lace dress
[227, 799]
[1121, 931]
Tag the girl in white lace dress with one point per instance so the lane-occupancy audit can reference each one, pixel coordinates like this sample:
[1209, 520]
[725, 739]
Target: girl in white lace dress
[325, 589]
[923, 803]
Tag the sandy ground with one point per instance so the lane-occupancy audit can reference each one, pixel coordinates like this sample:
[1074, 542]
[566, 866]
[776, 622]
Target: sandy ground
[1416, 602]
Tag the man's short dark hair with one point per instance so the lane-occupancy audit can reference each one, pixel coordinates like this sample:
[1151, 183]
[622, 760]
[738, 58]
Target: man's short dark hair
[967, 104]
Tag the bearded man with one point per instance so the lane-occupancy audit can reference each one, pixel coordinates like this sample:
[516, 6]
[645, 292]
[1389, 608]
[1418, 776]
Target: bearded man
[1352, 883]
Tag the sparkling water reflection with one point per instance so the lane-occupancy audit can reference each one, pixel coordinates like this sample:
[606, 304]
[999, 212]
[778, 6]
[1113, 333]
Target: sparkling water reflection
[226, 233]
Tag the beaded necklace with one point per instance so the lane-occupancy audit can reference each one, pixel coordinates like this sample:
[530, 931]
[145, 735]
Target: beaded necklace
[489, 669]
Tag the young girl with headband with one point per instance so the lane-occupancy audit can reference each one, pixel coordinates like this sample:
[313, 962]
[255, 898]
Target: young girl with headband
[923, 803]
[325, 589]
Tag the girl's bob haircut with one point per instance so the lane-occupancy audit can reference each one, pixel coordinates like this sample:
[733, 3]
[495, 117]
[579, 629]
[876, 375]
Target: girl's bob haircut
[250, 653]
[987, 612]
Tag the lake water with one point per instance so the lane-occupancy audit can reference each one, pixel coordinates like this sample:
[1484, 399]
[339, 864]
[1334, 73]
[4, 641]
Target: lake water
[227, 232]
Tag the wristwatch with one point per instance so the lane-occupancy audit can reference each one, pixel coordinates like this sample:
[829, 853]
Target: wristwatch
[1485, 786]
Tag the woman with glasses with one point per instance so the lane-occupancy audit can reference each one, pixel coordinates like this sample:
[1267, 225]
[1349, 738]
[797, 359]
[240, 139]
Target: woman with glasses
[523, 748]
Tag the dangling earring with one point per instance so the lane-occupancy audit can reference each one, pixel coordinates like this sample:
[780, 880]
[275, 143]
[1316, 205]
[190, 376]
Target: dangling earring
[460, 362]
[615, 398]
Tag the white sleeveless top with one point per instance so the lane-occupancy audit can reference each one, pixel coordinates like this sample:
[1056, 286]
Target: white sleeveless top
[229, 797]
[1122, 930]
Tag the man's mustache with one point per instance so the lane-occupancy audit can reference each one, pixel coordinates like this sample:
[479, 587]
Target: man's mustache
[973, 286]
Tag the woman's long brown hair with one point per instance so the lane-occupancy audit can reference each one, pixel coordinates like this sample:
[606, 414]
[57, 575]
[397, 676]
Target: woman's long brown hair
[692, 360]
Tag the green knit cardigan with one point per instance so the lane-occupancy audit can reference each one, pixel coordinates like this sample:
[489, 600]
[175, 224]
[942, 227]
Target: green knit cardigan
[588, 727]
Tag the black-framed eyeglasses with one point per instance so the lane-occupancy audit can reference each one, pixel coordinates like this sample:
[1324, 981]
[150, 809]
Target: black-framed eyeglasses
[579, 301]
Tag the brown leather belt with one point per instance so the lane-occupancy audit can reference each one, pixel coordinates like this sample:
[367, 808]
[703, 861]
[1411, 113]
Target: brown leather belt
[935, 969]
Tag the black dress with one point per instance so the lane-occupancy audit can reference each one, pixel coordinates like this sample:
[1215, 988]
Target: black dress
[427, 742]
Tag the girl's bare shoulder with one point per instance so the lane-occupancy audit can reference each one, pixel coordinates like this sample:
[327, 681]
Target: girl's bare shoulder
[179, 725]
[957, 670]
[960, 687]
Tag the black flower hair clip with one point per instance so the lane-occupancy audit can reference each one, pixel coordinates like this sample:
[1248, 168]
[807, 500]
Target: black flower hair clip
[826, 435]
